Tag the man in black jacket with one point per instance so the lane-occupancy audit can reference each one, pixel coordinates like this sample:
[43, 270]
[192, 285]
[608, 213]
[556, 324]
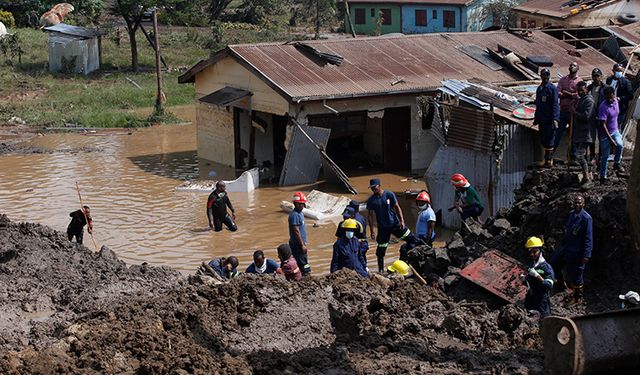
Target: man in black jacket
[582, 127]
[624, 92]
[217, 204]
[79, 219]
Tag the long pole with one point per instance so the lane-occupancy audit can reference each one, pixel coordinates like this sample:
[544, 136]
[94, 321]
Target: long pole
[160, 95]
[346, 10]
[86, 219]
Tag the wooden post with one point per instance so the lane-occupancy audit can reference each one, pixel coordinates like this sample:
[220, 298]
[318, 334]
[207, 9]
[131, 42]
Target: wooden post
[160, 98]
[99, 51]
[347, 12]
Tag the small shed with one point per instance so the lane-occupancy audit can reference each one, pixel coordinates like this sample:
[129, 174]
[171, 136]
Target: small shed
[73, 49]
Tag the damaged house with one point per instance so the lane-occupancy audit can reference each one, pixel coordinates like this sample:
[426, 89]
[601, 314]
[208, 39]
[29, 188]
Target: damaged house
[357, 98]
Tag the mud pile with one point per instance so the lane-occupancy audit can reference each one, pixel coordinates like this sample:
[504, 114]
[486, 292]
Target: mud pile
[541, 208]
[65, 309]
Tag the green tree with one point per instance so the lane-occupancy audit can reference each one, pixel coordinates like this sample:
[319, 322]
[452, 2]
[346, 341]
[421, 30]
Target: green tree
[132, 11]
[261, 12]
[320, 12]
[216, 7]
[27, 12]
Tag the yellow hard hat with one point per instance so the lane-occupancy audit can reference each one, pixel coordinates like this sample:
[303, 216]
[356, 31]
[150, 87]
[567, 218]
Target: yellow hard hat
[534, 242]
[399, 267]
[349, 224]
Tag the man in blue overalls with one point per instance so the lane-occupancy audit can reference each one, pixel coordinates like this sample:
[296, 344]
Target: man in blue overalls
[539, 279]
[389, 219]
[346, 250]
[547, 115]
[575, 252]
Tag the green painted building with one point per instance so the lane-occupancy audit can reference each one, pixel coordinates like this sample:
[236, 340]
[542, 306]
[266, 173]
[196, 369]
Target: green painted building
[375, 18]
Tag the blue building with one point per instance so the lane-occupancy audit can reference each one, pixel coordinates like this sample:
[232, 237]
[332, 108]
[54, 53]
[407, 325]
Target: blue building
[419, 16]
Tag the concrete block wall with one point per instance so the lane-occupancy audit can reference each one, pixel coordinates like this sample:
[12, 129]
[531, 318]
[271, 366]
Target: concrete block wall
[215, 134]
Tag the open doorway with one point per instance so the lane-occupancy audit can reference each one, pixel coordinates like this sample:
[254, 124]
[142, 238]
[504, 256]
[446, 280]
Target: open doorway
[396, 145]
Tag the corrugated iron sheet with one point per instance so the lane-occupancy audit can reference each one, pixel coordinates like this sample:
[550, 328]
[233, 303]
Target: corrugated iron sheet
[372, 64]
[558, 8]
[78, 31]
[471, 129]
[494, 181]
[303, 160]
[225, 96]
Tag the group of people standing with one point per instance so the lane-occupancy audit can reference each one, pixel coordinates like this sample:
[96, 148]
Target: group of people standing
[595, 110]
[385, 218]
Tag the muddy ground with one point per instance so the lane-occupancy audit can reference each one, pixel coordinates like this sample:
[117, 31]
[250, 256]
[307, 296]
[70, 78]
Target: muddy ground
[66, 309]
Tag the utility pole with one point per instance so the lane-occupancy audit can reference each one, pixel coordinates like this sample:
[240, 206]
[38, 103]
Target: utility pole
[160, 98]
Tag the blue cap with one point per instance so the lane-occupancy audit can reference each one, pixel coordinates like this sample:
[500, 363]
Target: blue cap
[374, 181]
[355, 205]
[348, 212]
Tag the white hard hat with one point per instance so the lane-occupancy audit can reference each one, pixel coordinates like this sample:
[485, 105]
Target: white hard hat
[631, 296]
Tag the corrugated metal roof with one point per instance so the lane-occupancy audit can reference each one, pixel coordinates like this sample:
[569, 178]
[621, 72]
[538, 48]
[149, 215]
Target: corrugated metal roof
[372, 64]
[625, 33]
[225, 96]
[471, 129]
[63, 28]
[557, 8]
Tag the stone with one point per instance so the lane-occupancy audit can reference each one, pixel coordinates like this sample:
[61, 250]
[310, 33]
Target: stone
[499, 226]
[442, 259]
[451, 280]
[458, 249]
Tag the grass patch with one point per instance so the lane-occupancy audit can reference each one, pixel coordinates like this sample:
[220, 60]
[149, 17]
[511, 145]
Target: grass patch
[106, 98]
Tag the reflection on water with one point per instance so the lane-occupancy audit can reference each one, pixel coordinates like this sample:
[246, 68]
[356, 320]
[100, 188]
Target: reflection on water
[129, 185]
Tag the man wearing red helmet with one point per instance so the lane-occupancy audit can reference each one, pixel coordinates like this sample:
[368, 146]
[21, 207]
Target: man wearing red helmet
[467, 201]
[298, 233]
[426, 223]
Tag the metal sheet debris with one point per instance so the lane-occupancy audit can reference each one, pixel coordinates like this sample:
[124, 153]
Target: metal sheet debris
[303, 160]
[499, 274]
[225, 96]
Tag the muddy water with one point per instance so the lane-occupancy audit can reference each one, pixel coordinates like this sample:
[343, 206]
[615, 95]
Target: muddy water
[129, 185]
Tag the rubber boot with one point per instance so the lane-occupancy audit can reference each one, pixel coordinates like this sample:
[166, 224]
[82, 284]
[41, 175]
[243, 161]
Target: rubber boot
[381, 264]
[549, 158]
[578, 295]
[543, 163]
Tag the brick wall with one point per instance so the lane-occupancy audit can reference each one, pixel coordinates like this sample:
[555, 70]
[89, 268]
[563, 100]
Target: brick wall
[215, 134]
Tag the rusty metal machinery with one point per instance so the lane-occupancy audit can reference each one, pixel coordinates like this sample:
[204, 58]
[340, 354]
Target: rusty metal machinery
[593, 344]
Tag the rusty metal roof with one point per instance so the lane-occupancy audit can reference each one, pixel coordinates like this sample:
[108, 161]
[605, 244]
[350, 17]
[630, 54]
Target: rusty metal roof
[471, 129]
[558, 8]
[390, 64]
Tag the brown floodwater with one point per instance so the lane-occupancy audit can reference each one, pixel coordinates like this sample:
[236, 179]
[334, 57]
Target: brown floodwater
[130, 181]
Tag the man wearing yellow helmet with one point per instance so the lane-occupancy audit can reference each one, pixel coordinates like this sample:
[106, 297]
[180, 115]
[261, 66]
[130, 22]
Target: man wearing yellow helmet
[539, 279]
[346, 250]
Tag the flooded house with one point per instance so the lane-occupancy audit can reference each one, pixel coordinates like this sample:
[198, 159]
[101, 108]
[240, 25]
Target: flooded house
[357, 98]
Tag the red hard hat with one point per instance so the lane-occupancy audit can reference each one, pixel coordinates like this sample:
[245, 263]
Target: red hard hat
[299, 197]
[423, 196]
[458, 180]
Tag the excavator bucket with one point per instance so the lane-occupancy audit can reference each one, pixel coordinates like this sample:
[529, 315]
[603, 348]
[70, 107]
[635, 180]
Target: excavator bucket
[499, 274]
[593, 344]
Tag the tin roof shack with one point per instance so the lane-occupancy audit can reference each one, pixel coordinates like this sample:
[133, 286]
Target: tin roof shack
[364, 90]
[576, 13]
[485, 143]
[73, 49]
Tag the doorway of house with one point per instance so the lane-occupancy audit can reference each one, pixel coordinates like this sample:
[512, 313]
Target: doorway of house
[396, 140]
